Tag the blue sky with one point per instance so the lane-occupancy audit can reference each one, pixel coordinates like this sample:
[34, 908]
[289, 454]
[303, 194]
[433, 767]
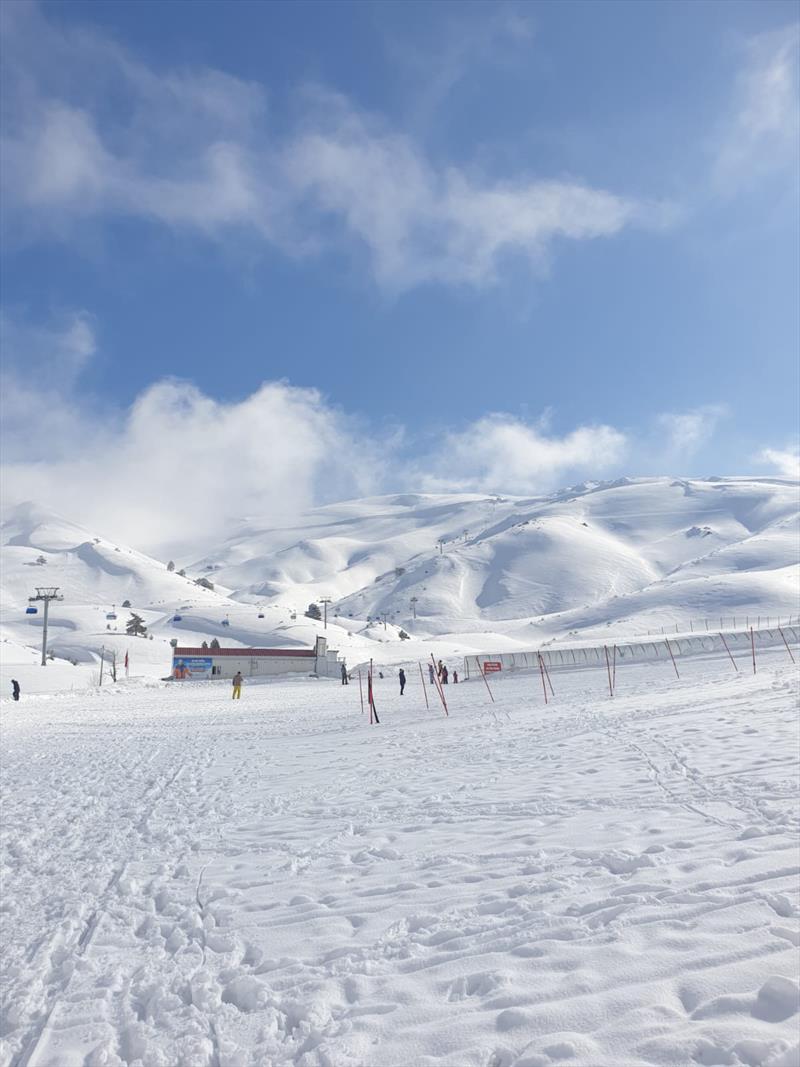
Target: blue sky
[487, 246]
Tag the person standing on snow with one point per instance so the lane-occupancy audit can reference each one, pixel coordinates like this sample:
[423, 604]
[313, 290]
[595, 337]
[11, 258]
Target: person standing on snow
[439, 669]
[455, 677]
[345, 679]
[15, 688]
[430, 672]
[444, 675]
[237, 686]
[402, 677]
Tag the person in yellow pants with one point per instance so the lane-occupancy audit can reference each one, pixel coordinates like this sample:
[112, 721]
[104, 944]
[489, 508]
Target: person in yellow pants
[237, 685]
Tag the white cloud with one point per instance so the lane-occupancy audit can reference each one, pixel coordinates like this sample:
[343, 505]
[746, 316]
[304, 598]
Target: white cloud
[193, 149]
[179, 463]
[498, 453]
[786, 462]
[763, 133]
[682, 434]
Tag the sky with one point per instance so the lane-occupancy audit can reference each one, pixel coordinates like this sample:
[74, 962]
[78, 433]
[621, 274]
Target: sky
[276, 254]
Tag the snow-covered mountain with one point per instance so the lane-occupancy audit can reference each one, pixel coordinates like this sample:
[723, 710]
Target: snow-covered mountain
[665, 548]
[471, 571]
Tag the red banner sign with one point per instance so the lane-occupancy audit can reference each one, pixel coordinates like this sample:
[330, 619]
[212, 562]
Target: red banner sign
[492, 665]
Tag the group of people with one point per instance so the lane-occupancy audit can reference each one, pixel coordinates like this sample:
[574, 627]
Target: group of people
[442, 673]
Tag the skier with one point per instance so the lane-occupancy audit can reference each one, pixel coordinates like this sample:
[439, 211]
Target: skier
[444, 675]
[402, 677]
[15, 688]
[237, 686]
[455, 677]
[430, 672]
[439, 669]
[344, 675]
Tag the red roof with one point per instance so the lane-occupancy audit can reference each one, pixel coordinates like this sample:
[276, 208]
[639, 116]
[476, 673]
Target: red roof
[245, 652]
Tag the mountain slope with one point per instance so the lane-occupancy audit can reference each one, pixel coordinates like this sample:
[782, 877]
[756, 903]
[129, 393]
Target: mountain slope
[465, 570]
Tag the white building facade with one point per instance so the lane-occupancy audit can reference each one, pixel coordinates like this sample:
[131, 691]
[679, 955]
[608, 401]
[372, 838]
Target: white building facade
[196, 664]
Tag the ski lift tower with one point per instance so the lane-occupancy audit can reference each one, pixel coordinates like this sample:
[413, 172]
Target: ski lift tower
[45, 594]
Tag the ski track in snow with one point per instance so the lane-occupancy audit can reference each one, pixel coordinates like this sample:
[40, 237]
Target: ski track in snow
[186, 881]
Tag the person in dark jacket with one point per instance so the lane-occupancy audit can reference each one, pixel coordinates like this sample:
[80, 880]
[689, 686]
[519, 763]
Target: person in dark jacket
[455, 677]
[444, 675]
[345, 679]
[402, 677]
[15, 688]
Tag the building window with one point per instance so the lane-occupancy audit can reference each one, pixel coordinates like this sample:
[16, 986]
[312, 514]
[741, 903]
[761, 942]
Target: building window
[216, 670]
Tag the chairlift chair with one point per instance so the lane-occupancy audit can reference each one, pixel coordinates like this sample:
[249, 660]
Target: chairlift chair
[31, 610]
[177, 618]
[225, 622]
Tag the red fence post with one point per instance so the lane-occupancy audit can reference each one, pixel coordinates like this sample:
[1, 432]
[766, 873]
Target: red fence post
[608, 668]
[361, 692]
[614, 669]
[733, 661]
[780, 631]
[485, 679]
[424, 690]
[439, 688]
[541, 671]
[674, 664]
[753, 646]
[547, 675]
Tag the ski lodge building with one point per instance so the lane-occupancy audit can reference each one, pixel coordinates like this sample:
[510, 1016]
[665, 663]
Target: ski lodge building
[192, 664]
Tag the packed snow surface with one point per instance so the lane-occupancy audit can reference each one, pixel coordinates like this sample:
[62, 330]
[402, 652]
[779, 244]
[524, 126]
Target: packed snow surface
[194, 882]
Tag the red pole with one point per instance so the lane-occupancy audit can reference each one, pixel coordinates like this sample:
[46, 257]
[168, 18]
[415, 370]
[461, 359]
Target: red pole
[547, 676]
[541, 671]
[733, 661]
[674, 664]
[439, 686]
[780, 631]
[608, 668]
[361, 692]
[483, 675]
[424, 690]
[753, 646]
[373, 711]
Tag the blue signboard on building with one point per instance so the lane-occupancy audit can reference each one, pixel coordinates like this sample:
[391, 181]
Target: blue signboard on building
[191, 667]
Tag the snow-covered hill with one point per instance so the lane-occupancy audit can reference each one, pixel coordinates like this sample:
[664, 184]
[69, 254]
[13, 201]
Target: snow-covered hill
[657, 548]
[457, 572]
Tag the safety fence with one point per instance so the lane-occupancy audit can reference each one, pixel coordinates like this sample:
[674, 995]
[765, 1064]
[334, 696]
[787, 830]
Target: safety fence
[667, 648]
[725, 622]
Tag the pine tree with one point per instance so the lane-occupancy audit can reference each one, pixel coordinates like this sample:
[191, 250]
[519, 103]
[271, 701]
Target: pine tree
[170, 566]
[313, 612]
[135, 626]
[214, 643]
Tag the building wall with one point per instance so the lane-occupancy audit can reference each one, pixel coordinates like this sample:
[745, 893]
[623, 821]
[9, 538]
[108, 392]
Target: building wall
[261, 666]
[197, 664]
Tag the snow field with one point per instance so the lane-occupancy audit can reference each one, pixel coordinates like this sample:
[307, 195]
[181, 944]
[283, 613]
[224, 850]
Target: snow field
[193, 881]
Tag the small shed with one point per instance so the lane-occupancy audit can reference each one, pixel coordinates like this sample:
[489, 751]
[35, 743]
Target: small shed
[193, 664]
